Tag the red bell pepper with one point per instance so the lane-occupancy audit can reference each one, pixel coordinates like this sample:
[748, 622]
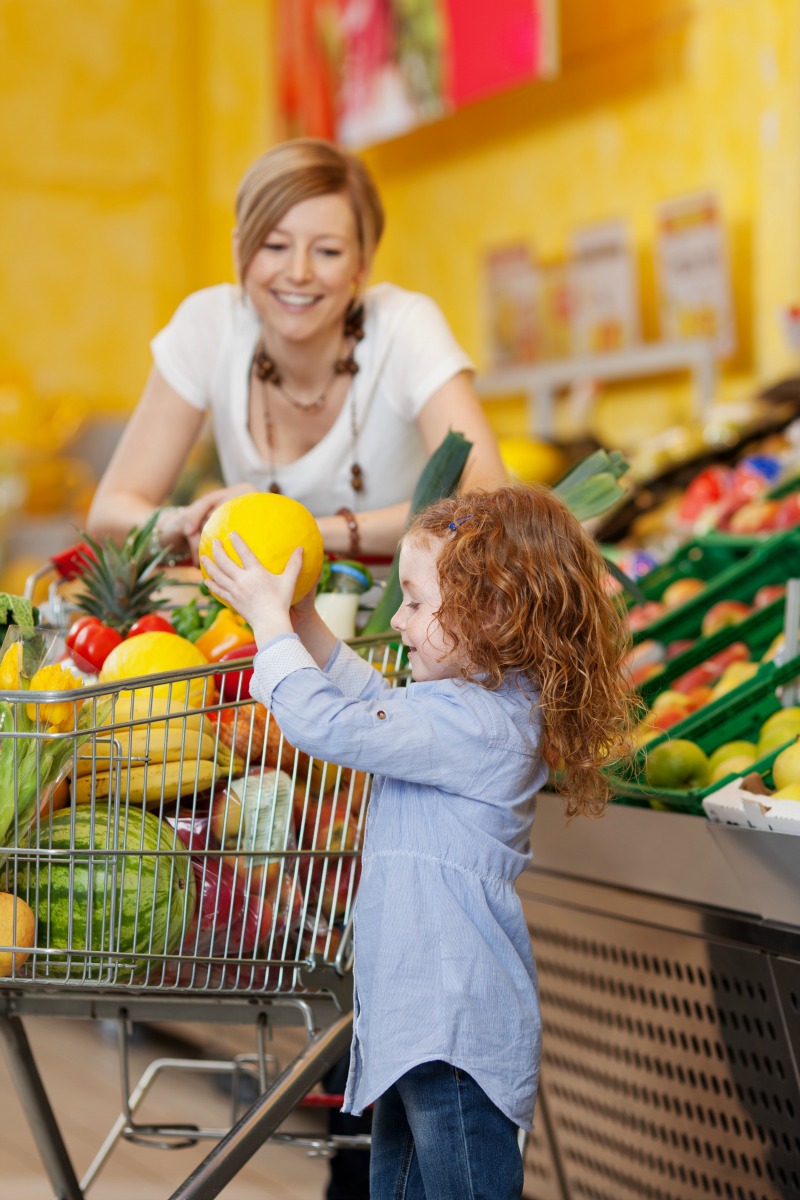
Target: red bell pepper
[235, 685]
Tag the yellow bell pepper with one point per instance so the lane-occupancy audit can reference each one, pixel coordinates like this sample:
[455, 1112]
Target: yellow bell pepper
[226, 632]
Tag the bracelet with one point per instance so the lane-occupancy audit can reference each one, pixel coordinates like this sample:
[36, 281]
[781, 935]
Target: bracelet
[352, 525]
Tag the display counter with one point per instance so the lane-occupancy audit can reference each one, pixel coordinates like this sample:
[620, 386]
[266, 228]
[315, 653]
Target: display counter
[668, 951]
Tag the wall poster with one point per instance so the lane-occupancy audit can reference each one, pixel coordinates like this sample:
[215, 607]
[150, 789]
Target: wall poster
[363, 71]
[693, 274]
[604, 294]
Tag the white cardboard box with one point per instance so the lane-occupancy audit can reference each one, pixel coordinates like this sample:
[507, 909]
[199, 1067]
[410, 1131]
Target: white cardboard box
[746, 802]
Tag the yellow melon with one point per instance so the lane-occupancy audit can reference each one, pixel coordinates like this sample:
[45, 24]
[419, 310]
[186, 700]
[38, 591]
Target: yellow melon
[272, 526]
[158, 653]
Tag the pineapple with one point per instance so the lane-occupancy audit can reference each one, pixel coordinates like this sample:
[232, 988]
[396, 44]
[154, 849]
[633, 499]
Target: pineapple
[120, 582]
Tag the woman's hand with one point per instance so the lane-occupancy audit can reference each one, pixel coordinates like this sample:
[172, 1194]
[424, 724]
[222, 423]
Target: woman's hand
[194, 516]
[262, 598]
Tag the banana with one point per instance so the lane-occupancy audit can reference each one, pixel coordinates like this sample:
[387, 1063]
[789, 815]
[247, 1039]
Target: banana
[147, 785]
[142, 706]
[144, 744]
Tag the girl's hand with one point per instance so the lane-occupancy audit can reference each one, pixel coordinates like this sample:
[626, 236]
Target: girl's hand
[258, 595]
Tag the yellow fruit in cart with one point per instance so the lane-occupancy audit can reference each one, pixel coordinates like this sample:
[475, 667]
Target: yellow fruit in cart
[272, 526]
[17, 928]
[10, 668]
[155, 653]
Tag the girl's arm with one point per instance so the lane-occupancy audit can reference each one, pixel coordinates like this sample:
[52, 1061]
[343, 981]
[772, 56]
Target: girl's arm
[454, 406]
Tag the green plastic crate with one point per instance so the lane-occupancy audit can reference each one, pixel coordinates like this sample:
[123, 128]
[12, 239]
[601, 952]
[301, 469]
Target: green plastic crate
[775, 561]
[702, 558]
[758, 631]
[736, 716]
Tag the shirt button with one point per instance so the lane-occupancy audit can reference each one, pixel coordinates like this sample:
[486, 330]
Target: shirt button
[381, 715]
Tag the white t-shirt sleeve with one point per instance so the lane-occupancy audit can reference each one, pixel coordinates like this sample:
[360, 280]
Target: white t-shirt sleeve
[423, 355]
[187, 350]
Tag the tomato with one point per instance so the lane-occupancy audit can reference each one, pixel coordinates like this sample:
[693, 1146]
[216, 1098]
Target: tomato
[152, 623]
[92, 646]
[235, 685]
[77, 626]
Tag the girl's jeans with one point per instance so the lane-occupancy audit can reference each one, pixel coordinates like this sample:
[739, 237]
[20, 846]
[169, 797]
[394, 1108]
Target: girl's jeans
[437, 1136]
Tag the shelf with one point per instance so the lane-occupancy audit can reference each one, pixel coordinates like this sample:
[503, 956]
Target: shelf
[541, 383]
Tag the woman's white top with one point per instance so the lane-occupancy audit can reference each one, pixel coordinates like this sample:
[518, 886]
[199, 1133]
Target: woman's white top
[408, 352]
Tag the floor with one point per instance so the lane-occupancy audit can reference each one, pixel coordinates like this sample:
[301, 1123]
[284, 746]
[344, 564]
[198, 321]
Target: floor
[78, 1061]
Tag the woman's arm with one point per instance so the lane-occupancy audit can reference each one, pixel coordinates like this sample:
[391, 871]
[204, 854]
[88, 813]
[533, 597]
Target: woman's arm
[145, 467]
[147, 460]
[454, 406]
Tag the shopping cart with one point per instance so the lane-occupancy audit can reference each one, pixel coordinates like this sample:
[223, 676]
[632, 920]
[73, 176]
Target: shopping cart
[184, 863]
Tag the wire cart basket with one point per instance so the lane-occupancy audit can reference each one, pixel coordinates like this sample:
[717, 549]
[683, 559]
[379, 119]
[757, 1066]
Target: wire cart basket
[179, 861]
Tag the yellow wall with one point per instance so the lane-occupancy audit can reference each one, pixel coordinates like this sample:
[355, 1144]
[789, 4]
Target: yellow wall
[654, 99]
[123, 126]
[126, 124]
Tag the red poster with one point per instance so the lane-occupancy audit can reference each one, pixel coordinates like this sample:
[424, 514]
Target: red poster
[362, 71]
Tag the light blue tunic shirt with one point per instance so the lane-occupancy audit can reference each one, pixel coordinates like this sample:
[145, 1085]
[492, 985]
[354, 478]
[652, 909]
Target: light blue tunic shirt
[443, 961]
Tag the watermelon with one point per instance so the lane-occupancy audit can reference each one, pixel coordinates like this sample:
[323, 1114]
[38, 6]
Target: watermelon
[96, 899]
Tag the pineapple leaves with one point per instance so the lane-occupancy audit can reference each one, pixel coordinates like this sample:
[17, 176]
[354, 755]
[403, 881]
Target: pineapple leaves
[120, 582]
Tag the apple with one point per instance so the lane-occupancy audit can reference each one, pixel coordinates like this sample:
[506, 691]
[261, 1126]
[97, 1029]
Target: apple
[723, 613]
[736, 652]
[790, 792]
[786, 768]
[774, 648]
[768, 594]
[737, 764]
[677, 764]
[668, 708]
[681, 590]
[253, 924]
[641, 615]
[217, 904]
[679, 646]
[756, 516]
[783, 718]
[769, 742]
[704, 674]
[194, 829]
[732, 677]
[699, 696]
[731, 750]
[788, 514]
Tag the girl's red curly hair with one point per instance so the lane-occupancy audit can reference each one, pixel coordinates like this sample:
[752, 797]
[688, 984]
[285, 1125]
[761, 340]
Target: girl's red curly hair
[524, 593]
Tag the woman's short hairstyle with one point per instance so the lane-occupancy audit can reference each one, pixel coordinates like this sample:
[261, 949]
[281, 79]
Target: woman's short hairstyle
[298, 170]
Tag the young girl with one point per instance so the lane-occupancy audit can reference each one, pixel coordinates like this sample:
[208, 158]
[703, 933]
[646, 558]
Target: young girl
[516, 654]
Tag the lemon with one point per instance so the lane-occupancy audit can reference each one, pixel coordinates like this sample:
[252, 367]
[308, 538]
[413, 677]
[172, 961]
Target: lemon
[272, 526]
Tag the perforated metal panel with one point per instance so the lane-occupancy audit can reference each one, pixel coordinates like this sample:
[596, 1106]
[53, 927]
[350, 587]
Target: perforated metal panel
[668, 1073]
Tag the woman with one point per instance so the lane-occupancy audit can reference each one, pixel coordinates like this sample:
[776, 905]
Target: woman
[319, 387]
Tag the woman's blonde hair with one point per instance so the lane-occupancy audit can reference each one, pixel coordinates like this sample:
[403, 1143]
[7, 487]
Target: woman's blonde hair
[524, 594]
[298, 170]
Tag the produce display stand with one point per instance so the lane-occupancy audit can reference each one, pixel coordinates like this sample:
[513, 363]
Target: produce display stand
[668, 951]
[90, 962]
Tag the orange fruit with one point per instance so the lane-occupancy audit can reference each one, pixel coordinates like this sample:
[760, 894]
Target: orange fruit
[272, 526]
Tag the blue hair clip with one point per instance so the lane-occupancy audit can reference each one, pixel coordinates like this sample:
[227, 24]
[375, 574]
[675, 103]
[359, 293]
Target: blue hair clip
[454, 524]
